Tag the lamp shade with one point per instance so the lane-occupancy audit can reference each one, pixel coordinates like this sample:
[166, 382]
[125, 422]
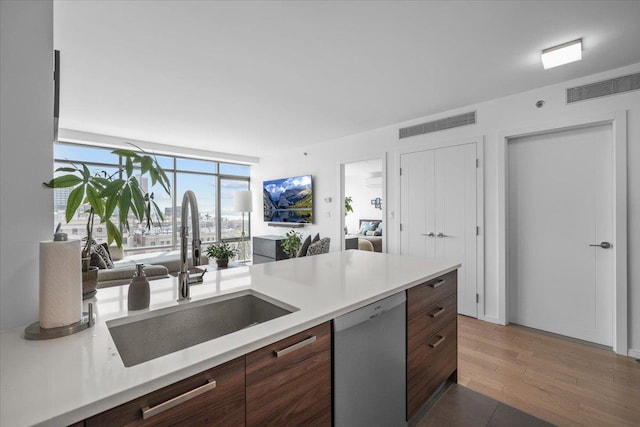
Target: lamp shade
[242, 201]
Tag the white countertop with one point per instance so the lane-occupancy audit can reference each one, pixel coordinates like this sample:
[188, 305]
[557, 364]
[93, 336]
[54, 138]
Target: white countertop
[64, 380]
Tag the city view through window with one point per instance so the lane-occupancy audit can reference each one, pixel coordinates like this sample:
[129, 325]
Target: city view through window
[214, 184]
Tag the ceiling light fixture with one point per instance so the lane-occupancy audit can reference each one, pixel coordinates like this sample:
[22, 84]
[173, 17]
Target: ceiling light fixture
[562, 54]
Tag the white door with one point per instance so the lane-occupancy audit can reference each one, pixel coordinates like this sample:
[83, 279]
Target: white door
[560, 201]
[417, 204]
[438, 212]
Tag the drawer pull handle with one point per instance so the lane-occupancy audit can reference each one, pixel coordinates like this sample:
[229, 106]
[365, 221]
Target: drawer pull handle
[438, 313]
[148, 412]
[291, 348]
[437, 284]
[437, 343]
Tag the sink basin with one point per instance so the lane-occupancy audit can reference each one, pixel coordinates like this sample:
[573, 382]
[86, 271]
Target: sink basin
[156, 333]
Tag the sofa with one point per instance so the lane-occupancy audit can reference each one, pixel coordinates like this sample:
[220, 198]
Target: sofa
[158, 265]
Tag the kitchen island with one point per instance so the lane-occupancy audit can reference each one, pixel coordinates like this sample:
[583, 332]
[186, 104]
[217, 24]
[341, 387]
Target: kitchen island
[66, 380]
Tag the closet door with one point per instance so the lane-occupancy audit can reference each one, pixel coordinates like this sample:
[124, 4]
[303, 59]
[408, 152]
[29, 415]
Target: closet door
[417, 204]
[455, 218]
[438, 212]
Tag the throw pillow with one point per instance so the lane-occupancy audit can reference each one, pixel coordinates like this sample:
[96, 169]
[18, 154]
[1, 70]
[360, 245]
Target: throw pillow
[97, 261]
[316, 238]
[319, 247]
[103, 252]
[379, 228]
[367, 226]
[305, 246]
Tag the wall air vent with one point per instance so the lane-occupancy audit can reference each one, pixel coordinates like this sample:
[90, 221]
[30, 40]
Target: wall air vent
[441, 124]
[604, 88]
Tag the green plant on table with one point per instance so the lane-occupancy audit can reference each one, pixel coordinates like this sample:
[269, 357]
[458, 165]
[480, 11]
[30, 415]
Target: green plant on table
[291, 243]
[103, 193]
[221, 251]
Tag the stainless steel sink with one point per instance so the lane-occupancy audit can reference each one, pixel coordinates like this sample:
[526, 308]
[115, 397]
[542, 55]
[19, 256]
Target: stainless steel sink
[156, 333]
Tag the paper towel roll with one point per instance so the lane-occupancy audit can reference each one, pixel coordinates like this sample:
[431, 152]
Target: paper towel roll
[60, 283]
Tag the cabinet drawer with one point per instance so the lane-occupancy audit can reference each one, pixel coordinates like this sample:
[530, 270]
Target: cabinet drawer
[289, 382]
[429, 365]
[423, 324]
[423, 296]
[222, 405]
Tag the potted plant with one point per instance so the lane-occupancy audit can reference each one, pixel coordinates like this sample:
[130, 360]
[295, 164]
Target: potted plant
[221, 252]
[103, 193]
[347, 209]
[291, 243]
[347, 205]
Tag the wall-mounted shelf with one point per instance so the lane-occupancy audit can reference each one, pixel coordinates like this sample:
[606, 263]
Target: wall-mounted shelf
[287, 224]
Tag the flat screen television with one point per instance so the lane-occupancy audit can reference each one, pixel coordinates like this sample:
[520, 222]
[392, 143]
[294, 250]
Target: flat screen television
[288, 200]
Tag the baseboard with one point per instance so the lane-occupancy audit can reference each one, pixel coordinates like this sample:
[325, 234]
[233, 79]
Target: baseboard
[490, 319]
[634, 353]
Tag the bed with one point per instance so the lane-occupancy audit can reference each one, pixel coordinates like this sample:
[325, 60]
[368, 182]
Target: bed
[371, 230]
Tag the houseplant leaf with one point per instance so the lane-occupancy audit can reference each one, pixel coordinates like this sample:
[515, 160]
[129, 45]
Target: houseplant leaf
[95, 201]
[138, 199]
[73, 202]
[64, 181]
[124, 204]
[146, 164]
[129, 167]
[113, 233]
[66, 169]
[110, 205]
[112, 188]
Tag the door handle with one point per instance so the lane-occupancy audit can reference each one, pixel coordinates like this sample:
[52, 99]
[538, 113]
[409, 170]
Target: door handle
[603, 245]
[441, 235]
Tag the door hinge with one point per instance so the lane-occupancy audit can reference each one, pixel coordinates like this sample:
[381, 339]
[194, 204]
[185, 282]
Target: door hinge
[400, 227]
[477, 298]
[477, 163]
[400, 171]
[477, 231]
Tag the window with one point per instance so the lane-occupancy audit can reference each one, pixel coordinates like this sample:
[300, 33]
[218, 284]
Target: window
[212, 182]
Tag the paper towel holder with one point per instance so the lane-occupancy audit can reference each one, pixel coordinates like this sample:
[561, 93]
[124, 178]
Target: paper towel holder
[34, 332]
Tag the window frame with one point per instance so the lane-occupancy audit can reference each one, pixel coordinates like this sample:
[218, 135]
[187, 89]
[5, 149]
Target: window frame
[175, 198]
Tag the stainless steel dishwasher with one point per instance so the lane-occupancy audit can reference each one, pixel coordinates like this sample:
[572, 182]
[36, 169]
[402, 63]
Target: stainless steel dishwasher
[370, 365]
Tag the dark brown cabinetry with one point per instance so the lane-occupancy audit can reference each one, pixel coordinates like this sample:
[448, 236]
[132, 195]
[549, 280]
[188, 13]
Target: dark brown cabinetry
[431, 338]
[289, 382]
[215, 397]
[267, 249]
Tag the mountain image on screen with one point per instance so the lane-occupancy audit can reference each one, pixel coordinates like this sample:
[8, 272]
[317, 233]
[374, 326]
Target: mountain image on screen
[288, 200]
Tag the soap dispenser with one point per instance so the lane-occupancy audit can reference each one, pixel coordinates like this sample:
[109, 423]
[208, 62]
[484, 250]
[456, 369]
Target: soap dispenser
[139, 293]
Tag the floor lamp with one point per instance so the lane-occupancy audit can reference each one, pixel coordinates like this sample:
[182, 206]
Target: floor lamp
[242, 203]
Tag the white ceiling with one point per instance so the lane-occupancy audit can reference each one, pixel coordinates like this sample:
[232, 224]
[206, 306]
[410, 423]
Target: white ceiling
[253, 77]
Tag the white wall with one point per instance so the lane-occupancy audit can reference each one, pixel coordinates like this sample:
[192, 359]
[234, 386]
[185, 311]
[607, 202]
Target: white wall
[494, 117]
[26, 153]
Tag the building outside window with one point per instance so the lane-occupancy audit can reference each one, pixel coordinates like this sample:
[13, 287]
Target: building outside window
[212, 182]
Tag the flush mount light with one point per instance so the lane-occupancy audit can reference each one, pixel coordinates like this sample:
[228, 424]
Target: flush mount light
[562, 54]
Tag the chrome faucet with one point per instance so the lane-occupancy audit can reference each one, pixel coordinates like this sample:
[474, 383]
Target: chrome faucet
[184, 280]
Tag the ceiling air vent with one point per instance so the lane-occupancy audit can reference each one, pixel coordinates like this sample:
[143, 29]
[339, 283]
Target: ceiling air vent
[441, 124]
[604, 88]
